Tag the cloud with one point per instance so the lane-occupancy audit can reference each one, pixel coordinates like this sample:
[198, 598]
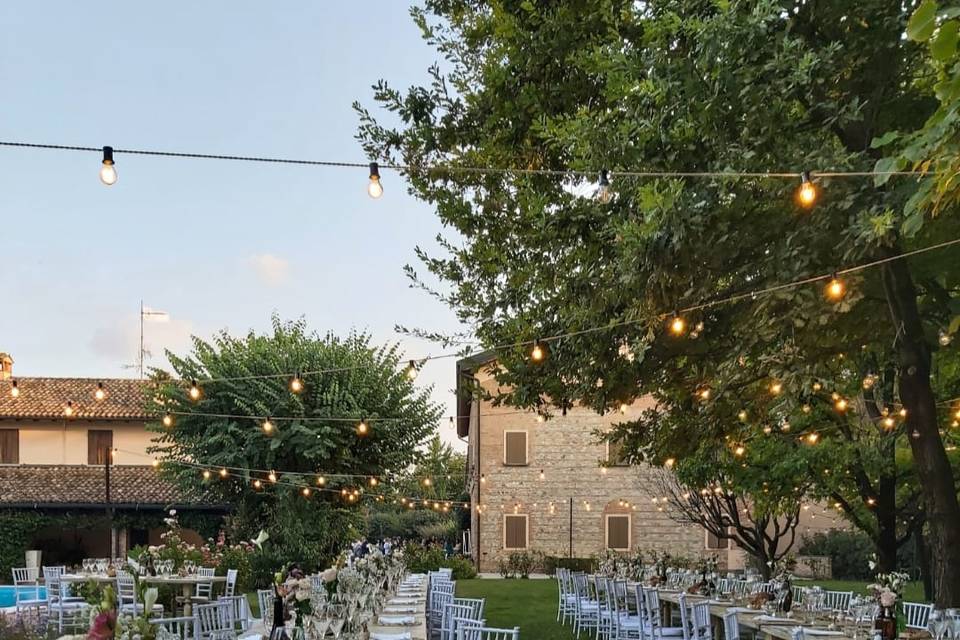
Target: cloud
[271, 270]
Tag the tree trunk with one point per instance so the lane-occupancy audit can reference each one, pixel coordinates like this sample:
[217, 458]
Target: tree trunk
[930, 458]
[886, 540]
[923, 559]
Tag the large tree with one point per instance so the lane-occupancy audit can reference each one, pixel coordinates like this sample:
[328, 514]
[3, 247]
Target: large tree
[689, 86]
[314, 436]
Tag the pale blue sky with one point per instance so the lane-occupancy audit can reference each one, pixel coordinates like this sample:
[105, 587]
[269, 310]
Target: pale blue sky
[216, 244]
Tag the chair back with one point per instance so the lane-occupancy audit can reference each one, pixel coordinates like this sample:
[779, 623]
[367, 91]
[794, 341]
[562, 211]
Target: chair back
[465, 623]
[184, 627]
[231, 584]
[451, 611]
[215, 621]
[731, 628]
[446, 572]
[25, 576]
[701, 621]
[240, 613]
[26, 586]
[686, 616]
[652, 606]
[837, 600]
[476, 606]
[126, 588]
[488, 633]
[51, 579]
[316, 583]
[265, 601]
[917, 614]
[723, 586]
[205, 589]
[798, 595]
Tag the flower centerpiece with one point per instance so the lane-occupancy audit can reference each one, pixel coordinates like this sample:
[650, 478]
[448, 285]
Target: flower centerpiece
[706, 584]
[887, 590]
[293, 589]
[782, 581]
[107, 623]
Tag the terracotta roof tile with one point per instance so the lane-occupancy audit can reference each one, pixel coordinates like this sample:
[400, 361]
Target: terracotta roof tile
[47, 397]
[79, 484]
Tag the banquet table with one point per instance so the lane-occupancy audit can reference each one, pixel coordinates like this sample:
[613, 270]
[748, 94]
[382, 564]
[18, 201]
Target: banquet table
[187, 584]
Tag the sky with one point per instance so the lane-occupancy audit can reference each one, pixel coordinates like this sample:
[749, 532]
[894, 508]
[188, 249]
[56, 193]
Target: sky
[217, 245]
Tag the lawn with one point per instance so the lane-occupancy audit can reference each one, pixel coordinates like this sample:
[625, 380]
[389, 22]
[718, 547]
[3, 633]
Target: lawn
[528, 604]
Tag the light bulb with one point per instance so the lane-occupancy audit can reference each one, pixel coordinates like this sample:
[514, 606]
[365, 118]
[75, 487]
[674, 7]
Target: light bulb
[869, 380]
[623, 407]
[739, 451]
[108, 171]
[669, 462]
[206, 474]
[296, 383]
[14, 389]
[888, 423]
[272, 476]
[167, 420]
[538, 353]
[944, 339]
[375, 187]
[68, 410]
[742, 415]
[542, 476]
[412, 371]
[194, 391]
[541, 418]
[704, 393]
[604, 194]
[321, 481]
[427, 482]
[767, 429]
[306, 492]
[362, 427]
[257, 484]
[223, 473]
[483, 479]
[776, 388]
[678, 326]
[817, 386]
[840, 405]
[813, 438]
[835, 288]
[373, 482]
[267, 426]
[807, 192]
[155, 463]
[100, 393]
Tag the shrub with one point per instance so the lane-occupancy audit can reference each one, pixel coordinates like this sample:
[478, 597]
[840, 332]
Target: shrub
[421, 559]
[520, 563]
[552, 563]
[849, 552]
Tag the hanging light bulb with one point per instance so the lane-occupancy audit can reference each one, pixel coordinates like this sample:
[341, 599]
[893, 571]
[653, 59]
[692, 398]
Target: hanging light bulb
[272, 476]
[807, 192]
[306, 492]
[155, 463]
[869, 380]
[363, 428]
[776, 387]
[903, 412]
[412, 371]
[206, 474]
[704, 393]
[742, 415]
[257, 484]
[739, 450]
[538, 353]
[14, 389]
[669, 462]
[623, 407]
[321, 481]
[542, 476]
[223, 473]
[678, 325]
[767, 429]
[604, 194]
[840, 405]
[296, 383]
[817, 386]
[167, 420]
[194, 391]
[100, 393]
[835, 288]
[375, 188]
[813, 438]
[806, 408]
[944, 338]
[483, 479]
[888, 423]
[68, 409]
[108, 172]
[427, 482]
[373, 481]
[267, 426]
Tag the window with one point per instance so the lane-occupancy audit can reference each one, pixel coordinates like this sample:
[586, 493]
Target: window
[515, 448]
[615, 455]
[515, 530]
[715, 544]
[98, 443]
[618, 532]
[9, 446]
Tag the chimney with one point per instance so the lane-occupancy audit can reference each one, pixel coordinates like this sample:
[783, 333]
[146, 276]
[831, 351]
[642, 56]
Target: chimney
[6, 366]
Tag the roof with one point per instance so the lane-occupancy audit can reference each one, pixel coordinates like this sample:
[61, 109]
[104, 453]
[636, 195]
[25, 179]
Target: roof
[125, 398]
[465, 369]
[81, 485]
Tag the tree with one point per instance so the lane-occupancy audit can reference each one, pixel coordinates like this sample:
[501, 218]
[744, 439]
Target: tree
[691, 86]
[314, 434]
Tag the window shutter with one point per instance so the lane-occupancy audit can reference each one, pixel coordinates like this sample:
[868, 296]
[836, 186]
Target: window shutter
[618, 532]
[98, 441]
[9, 446]
[715, 543]
[515, 448]
[515, 532]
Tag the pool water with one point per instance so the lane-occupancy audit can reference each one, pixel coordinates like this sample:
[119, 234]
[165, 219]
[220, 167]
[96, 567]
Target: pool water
[7, 598]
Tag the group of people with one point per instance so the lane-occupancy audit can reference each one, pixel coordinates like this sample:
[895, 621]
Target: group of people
[362, 547]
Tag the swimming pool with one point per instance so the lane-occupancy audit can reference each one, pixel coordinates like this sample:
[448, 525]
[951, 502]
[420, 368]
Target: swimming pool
[7, 598]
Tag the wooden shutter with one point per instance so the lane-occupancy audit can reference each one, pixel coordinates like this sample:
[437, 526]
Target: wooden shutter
[9, 446]
[618, 532]
[98, 441]
[715, 543]
[515, 448]
[515, 531]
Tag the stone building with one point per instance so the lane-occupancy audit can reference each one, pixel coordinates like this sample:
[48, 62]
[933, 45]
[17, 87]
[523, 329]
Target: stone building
[553, 487]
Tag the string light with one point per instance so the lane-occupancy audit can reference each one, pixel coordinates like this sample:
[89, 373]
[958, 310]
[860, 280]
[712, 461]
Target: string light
[767, 429]
[427, 482]
[267, 426]
[108, 171]
[604, 194]
[373, 481]
[542, 476]
[538, 353]
[888, 423]
[869, 380]
[167, 420]
[807, 192]
[68, 409]
[272, 476]
[100, 393]
[678, 325]
[840, 405]
[817, 386]
[155, 463]
[742, 415]
[14, 389]
[739, 450]
[776, 387]
[362, 428]
[483, 479]
[257, 484]
[194, 391]
[306, 492]
[321, 481]
[704, 393]
[412, 371]
[813, 438]
[835, 288]
[223, 473]
[375, 187]
[806, 408]
[623, 407]
[944, 339]
[206, 474]
[296, 383]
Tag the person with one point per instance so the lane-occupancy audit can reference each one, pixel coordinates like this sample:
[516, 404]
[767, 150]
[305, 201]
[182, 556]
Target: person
[387, 546]
[448, 548]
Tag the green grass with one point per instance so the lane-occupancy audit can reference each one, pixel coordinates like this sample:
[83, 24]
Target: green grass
[528, 604]
[913, 592]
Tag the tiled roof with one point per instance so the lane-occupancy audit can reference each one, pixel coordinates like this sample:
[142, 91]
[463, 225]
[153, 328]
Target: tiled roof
[81, 485]
[47, 398]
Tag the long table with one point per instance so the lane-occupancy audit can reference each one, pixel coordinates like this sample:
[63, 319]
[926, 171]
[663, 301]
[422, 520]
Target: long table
[780, 629]
[187, 584]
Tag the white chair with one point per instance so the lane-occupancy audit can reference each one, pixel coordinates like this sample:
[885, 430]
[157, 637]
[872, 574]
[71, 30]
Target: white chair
[701, 621]
[438, 601]
[265, 601]
[67, 613]
[587, 615]
[461, 624]
[26, 590]
[316, 583]
[798, 595]
[231, 585]
[446, 572]
[731, 627]
[488, 633]
[917, 614]
[215, 621]
[837, 600]
[184, 627]
[625, 624]
[654, 627]
[241, 611]
[476, 606]
[566, 603]
[686, 616]
[127, 596]
[451, 611]
[51, 577]
[204, 590]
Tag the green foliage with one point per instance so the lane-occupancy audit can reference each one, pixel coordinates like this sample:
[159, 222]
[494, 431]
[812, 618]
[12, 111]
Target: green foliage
[849, 552]
[552, 563]
[421, 559]
[390, 522]
[520, 564]
[361, 380]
